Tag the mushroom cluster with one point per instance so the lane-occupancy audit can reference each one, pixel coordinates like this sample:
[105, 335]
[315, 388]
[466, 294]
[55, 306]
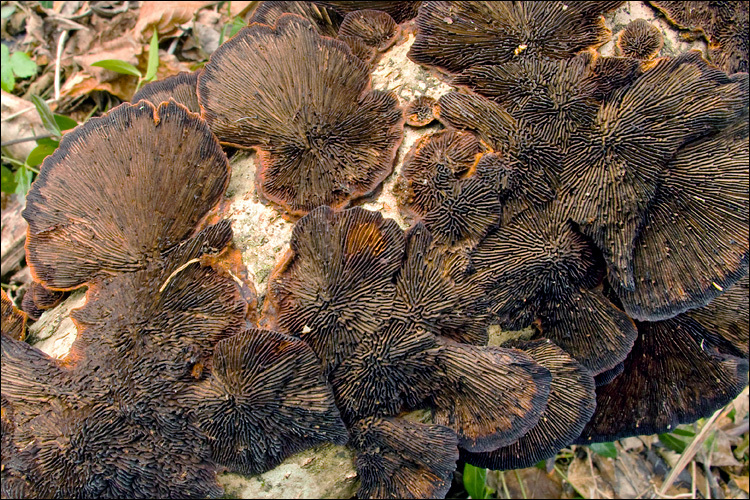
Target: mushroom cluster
[595, 208]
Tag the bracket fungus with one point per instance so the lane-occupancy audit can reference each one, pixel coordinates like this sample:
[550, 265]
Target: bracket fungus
[13, 319]
[420, 111]
[38, 298]
[181, 87]
[323, 137]
[457, 35]
[335, 291]
[163, 325]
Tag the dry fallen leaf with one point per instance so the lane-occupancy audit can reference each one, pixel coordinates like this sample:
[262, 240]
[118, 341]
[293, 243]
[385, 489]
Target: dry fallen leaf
[166, 16]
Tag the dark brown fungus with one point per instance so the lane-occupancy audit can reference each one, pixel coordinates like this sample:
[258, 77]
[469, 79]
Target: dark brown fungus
[376, 28]
[163, 336]
[266, 400]
[457, 35]
[401, 459]
[677, 372]
[725, 24]
[38, 298]
[640, 40]
[489, 120]
[360, 49]
[13, 319]
[399, 11]
[390, 370]
[433, 166]
[323, 137]
[427, 296]
[488, 395]
[605, 378]
[420, 111]
[181, 87]
[326, 20]
[131, 155]
[571, 404]
[611, 172]
[539, 268]
[336, 286]
[556, 98]
[727, 315]
[694, 241]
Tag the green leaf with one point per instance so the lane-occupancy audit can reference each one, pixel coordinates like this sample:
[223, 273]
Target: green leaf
[118, 66]
[7, 80]
[673, 442]
[48, 119]
[7, 180]
[684, 432]
[65, 122]
[23, 178]
[39, 153]
[7, 10]
[47, 4]
[604, 449]
[153, 58]
[474, 481]
[237, 24]
[23, 66]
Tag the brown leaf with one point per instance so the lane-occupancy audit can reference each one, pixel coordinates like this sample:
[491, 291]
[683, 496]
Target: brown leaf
[586, 481]
[166, 16]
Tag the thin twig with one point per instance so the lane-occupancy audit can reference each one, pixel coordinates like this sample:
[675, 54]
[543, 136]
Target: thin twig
[26, 139]
[505, 485]
[60, 47]
[520, 483]
[177, 271]
[689, 453]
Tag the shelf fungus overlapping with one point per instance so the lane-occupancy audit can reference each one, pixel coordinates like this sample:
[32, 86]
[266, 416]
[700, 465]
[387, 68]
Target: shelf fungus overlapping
[594, 208]
[335, 291]
[304, 102]
[163, 339]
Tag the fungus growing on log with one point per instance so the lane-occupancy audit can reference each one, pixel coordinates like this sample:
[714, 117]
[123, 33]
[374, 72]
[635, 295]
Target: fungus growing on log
[326, 20]
[323, 137]
[266, 400]
[458, 35]
[694, 241]
[335, 260]
[420, 111]
[571, 404]
[539, 268]
[640, 40]
[181, 87]
[133, 159]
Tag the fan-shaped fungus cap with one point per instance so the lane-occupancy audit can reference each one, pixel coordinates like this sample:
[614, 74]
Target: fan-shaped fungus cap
[266, 400]
[434, 165]
[181, 87]
[158, 325]
[13, 319]
[402, 459]
[138, 156]
[335, 286]
[38, 298]
[571, 404]
[323, 137]
[399, 11]
[458, 35]
[326, 20]
[374, 27]
[610, 174]
[702, 197]
[489, 396]
[640, 40]
[420, 111]
[389, 371]
[677, 372]
[539, 267]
